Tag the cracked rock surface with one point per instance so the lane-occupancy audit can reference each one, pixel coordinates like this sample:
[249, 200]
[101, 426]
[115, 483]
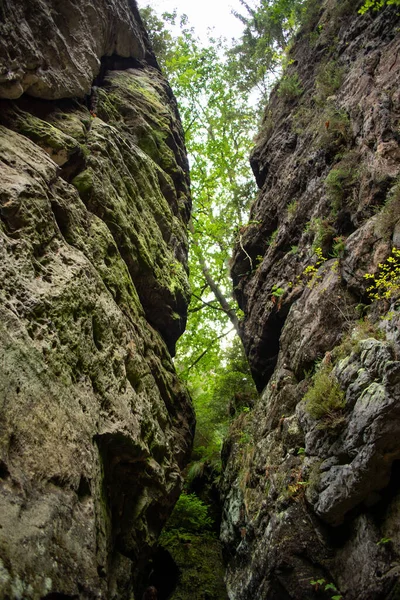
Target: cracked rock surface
[95, 427]
[312, 494]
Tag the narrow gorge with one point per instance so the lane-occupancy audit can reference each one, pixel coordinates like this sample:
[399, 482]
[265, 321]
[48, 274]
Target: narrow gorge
[96, 422]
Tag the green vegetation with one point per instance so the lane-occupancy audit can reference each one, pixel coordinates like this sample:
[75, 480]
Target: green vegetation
[377, 5]
[328, 80]
[385, 285]
[390, 212]
[196, 551]
[335, 129]
[325, 399]
[363, 329]
[340, 182]
[320, 585]
[383, 541]
[215, 111]
[268, 29]
[290, 87]
[189, 514]
[323, 232]
[292, 208]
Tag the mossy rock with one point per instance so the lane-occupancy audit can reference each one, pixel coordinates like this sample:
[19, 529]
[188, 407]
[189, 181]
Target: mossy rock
[57, 144]
[84, 184]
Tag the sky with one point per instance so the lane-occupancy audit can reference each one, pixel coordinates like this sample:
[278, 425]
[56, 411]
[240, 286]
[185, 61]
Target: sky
[204, 14]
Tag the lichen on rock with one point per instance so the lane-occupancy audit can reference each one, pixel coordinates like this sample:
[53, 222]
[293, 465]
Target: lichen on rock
[96, 426]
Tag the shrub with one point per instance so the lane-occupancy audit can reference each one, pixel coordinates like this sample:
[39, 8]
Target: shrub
[325, 399]
[190, 514]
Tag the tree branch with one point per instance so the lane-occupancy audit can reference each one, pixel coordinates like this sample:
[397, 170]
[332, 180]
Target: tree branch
[216, 290]
[204, 305]
[198, 359]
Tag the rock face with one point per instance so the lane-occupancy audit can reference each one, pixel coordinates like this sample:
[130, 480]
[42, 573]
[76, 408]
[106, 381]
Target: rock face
[94, 201]
[311, 475]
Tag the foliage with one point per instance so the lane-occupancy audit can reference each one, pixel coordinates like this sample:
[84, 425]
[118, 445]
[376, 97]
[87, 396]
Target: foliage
[328, 80]
[340, 181]
[322, 584]
[339, 246]
[160, 37]
[385, 285]
[268, 29]
[199, 560]
[390, 212]
[290, 87]
[219, 123]
[335, 130]
[292, 208]
[225, 388]
[325, 398]
[383, 541]
[189, 514]
[309, 275]
[278, 292]
[377, 5]
[322, 231]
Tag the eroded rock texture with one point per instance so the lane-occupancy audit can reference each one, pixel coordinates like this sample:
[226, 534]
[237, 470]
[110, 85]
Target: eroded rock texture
[95, 426]
[313, 498]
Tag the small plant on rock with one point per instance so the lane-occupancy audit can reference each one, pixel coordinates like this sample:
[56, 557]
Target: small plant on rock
[383, 541]
[385, 285]
[339, 246]
[323, 585]
[328, 80]
[290, 87]
[292, 208]
[335, 128]
[389, 214]
[340, 182]
[325, 399]
[323, 233]
[377, 5]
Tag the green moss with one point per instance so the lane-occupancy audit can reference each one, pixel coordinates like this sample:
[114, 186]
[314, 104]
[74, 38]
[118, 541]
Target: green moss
[74, 124]
[45, 135]
[84, 184]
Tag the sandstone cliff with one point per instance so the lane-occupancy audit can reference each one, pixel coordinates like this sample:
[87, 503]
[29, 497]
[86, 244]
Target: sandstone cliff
[312, 495]
[94, 201]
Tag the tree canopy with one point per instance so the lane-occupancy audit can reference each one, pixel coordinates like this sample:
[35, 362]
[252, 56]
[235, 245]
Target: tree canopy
[219, 121]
